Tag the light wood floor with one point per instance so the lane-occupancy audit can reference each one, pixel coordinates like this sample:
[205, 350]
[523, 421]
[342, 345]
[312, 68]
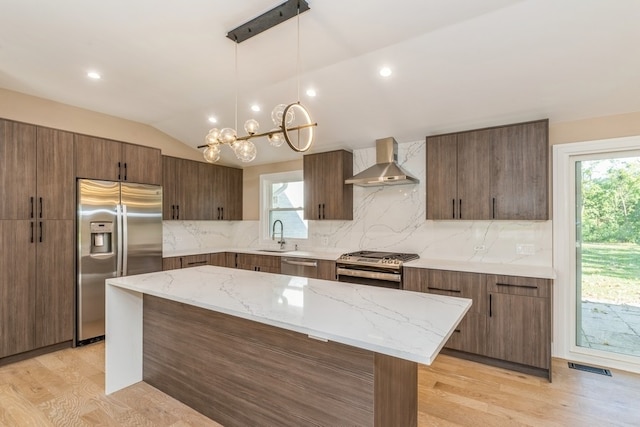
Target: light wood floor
[66, 389]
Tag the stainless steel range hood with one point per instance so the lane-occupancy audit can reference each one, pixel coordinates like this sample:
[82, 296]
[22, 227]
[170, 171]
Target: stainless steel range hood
[386, 171]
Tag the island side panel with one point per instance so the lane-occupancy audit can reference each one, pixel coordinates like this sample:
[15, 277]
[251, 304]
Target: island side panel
[239, 372]
[396, 397]
[123, 338]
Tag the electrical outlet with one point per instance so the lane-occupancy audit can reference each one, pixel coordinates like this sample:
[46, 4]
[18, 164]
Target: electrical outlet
[324, 240]
[525, 249]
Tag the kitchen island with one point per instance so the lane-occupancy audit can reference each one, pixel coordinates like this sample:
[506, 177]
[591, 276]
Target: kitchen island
[251, 348]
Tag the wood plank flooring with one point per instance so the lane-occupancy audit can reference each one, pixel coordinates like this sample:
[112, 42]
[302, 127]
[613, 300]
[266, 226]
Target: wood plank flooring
[66, 388]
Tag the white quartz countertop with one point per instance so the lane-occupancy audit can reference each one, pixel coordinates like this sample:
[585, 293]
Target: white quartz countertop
[408, 325]
[327, 255]
[541, 272]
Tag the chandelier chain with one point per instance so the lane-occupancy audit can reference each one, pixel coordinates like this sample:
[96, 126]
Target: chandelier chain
[237, 84]
[298, 54]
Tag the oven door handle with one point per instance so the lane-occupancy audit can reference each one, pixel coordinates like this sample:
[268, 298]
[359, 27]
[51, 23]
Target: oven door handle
[368, 274]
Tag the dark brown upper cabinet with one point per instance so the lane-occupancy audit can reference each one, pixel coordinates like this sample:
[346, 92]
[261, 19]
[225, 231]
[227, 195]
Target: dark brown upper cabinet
[200, 191]
[220, 196]
[36, 172]
[180, 185]
[494, 173]
[326, 196]
[99, 158]
[520, 174]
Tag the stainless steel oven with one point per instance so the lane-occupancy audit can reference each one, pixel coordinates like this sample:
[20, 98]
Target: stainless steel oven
[374, 268]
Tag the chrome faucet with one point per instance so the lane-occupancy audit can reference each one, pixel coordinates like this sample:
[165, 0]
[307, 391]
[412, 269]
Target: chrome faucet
[273, 233]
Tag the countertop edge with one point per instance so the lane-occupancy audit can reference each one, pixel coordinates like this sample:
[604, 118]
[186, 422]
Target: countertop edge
[520, 270]
[426, 359]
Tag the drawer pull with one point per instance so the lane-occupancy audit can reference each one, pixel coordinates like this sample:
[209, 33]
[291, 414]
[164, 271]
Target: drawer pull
[197, 263]
[455, 291]
[517, 286]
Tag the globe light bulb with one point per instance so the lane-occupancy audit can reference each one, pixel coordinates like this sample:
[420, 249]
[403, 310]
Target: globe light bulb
[276, 139]
[251, 126]
[228, 136]
[212, 153]
[276, 114]
[213, 136]
[246, 151]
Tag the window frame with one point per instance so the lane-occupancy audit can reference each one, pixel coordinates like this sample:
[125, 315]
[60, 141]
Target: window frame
[266, 180]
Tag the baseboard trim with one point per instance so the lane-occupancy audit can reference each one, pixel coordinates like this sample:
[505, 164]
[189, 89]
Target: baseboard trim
[529, 370]
[33, 353]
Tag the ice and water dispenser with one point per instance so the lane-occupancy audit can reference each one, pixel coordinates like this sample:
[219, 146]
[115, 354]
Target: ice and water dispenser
[101, 237]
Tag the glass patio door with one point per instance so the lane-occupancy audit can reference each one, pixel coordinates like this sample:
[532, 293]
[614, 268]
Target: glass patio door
[607, 219]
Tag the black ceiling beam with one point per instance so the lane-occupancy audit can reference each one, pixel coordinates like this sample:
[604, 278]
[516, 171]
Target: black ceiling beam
[269, 19]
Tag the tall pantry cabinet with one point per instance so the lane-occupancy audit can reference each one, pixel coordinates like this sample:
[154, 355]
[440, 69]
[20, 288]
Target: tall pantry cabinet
[36, 237]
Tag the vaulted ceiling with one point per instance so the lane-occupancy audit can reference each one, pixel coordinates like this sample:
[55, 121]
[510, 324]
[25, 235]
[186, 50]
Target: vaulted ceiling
[457, 64]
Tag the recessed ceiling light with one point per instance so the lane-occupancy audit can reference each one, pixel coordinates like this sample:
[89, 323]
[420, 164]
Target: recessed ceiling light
[255, 107]
[213, 119]
[94, 75]
[311, 92]
[385, 71]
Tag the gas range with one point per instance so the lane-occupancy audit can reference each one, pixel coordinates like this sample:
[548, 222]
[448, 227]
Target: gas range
[373, 268]
[381, 260]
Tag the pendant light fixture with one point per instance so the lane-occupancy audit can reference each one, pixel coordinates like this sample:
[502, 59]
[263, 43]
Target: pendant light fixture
[293, 121]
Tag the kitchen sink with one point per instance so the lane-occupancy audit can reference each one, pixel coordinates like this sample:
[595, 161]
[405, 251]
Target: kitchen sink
[274, 250]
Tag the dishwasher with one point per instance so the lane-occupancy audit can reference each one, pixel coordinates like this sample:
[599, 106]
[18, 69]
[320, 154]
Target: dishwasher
[303, 267]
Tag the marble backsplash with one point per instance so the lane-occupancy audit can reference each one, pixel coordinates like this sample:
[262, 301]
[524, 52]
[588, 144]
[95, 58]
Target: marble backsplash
[389, 218]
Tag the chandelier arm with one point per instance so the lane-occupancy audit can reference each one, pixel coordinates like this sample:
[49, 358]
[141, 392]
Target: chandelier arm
[273, 132]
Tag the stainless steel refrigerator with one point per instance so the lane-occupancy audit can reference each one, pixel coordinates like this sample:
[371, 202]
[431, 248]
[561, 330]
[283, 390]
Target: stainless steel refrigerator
[119, 234]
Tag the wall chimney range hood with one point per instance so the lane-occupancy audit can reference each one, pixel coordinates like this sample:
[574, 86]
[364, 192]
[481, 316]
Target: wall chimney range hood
[386, 171]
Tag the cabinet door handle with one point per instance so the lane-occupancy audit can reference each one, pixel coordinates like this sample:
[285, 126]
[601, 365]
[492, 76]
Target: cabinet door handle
[125, 171]
[40, 207]
[31, 240]
[173, 211]
[457, 330]
[222, 212]
[40, 238]
[490, 305]
[493, 208]
[119, 170]
[177, 211]
[323, 216]
[31, 200]
[319, 211]
[455, 291]
[517, 286]
[460, 209]
[453, 208]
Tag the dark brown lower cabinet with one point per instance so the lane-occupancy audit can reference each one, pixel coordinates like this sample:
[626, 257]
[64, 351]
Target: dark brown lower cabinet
[55, 303]
[509, 321]
[223, 259]
[266, 263]
[519, 322]
[17, 287]
[36, 284]
[470, 334]
[173, 263]
[326, 269]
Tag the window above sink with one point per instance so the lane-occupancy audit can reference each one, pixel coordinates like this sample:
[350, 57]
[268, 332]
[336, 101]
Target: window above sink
[282, 198]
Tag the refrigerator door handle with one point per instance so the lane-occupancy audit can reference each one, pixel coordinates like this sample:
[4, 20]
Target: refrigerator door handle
[125, 240]
[119, 237]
